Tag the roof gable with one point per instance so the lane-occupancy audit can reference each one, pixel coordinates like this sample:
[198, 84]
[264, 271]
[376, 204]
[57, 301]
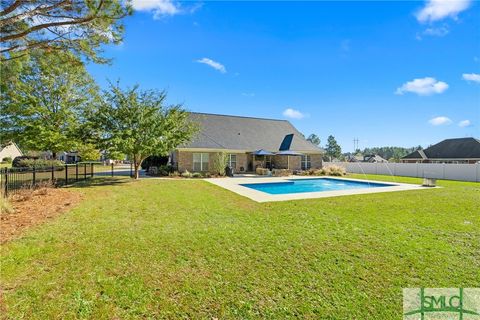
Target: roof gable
[247, 133]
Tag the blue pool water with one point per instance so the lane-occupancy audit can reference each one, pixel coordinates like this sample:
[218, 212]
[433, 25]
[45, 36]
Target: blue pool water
[311, 185]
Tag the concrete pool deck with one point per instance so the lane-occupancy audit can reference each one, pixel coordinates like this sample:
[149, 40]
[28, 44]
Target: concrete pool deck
[235, 184]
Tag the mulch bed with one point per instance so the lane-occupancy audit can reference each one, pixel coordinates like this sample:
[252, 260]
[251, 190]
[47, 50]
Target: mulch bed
[34, 209]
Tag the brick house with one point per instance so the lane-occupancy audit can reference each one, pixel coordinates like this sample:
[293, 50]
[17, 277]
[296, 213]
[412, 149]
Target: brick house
[240, 137]
[460, 150]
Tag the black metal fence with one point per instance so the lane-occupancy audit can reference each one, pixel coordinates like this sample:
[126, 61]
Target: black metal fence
[14, 179]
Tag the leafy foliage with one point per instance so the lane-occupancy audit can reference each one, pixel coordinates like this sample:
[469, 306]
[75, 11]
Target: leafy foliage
[44, 109]
[313, 138]
[88, 152]
[80, 27]
[220, 161]
[38, 163]
[138, 124]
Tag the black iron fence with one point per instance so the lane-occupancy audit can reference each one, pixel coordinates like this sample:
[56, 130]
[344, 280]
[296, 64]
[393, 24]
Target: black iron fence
[14, 179]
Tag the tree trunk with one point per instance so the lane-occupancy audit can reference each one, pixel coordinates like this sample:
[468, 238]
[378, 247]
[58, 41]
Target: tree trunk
[54, 156]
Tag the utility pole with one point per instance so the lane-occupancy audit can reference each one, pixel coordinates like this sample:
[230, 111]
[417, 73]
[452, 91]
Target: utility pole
[355, 144]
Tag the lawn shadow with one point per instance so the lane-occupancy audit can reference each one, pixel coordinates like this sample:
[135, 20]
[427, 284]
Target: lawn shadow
[101, 181]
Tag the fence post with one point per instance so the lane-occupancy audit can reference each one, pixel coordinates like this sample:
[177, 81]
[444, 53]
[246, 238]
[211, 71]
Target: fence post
[131, 170]
[6, 182]
[66, 174]
[91, 170]
[112, 169]
[76, 171]
[34, 176]
[84, 171]
[53, 174]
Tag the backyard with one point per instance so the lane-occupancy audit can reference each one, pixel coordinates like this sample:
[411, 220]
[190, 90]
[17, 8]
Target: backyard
[188, 249]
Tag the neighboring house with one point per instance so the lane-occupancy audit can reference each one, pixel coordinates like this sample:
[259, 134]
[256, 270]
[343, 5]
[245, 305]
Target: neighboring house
[461, 150]
[67, 157]
[240, 137]
[10, 150]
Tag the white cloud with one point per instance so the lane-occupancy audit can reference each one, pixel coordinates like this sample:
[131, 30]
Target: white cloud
[158, 7]
[475, 77]
[162, 8]
[436, 32]
[214, 64]
[438, 121]
[435, 10]
[464, 123]
[248, 94]
[424, 86]
[292, 113]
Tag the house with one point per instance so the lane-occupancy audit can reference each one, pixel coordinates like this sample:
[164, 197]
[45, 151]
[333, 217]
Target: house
[249, 142]
[371, 158]
[10, 150]
[460, 150]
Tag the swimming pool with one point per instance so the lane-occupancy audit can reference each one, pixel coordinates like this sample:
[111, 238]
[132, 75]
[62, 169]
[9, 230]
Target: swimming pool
[312, 185]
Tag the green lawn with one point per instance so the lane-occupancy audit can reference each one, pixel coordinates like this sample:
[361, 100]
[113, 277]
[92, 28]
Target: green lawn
[189, 249]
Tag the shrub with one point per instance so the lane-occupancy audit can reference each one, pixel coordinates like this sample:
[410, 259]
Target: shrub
[261, 171]
[5, 207]
[186, 174]
[7, 160]
[174, 174]
[207, 175]
[165, 170]
[38, 163]
[334, 170]
[220, 161]
[197, 175]
[281, 172]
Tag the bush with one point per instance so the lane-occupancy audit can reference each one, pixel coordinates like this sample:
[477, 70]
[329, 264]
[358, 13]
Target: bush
[174, 174]
[207, 175]
[38, 163]
[220, 161]
[165, 170]
[7, 160]
[334, 170]
[281, 172]
[197, 175]
[186, 174]
[262, 171]
[16, 161]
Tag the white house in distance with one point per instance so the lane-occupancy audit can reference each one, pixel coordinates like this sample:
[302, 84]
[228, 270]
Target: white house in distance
[10, 150]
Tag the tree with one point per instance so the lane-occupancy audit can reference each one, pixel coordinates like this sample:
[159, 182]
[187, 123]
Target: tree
[138, 124]
[51, 25]
[332, 149]
[45, 108]
[88, 152]
[313, 138]
[220, 162]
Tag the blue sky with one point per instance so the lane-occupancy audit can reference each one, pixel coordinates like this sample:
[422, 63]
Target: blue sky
[388, 73]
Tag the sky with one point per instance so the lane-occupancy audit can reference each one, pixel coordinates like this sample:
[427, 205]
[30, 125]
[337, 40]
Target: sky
[393, 73]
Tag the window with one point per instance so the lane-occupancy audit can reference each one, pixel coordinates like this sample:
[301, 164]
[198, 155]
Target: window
[200, 162]
[232, 161]
[306, 162]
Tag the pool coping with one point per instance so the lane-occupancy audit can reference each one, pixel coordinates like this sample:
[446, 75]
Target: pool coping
[235, 185]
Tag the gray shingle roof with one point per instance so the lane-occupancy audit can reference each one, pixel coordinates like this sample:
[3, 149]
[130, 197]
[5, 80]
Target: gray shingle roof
[245, 133]
[461, 148]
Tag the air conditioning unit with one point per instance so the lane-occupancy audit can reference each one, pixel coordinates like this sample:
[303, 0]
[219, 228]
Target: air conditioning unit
[429, 182]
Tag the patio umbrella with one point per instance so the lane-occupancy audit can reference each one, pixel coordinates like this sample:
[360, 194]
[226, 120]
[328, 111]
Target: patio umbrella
[288, 153]
[263, 153]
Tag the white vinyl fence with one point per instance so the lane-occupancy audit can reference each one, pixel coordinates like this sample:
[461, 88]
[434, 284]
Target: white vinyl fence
[448, 171]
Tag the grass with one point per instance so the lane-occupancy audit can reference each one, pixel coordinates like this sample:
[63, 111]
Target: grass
[189, 249]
